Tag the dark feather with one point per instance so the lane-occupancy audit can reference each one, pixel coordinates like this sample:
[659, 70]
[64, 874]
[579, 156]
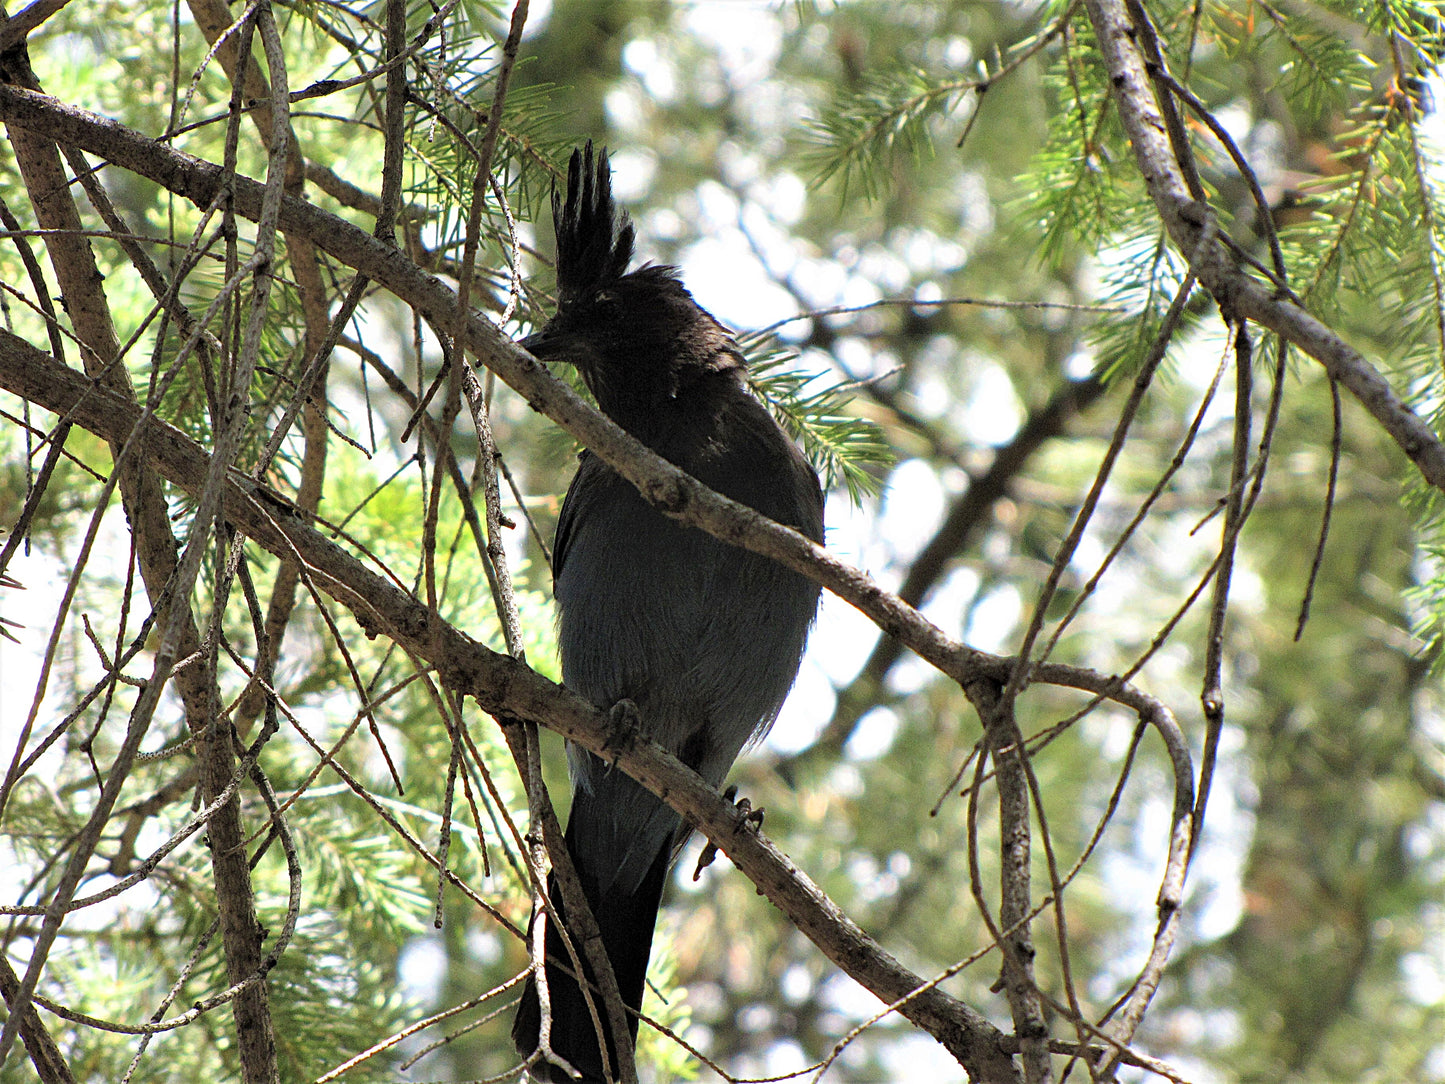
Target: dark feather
[702, 637]
[594, 241]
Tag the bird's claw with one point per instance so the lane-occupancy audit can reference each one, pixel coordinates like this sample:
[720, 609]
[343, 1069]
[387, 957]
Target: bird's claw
[751, 816]
[624, 724]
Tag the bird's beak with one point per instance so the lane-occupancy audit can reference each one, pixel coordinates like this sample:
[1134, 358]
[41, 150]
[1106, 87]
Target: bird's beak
[545, 344]
[551, 344]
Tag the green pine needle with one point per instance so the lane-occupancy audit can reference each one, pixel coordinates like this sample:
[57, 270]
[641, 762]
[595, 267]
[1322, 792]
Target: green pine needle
[844, 448]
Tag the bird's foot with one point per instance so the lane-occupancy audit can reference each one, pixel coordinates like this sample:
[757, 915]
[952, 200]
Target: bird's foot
[624, 724]
[751, 816]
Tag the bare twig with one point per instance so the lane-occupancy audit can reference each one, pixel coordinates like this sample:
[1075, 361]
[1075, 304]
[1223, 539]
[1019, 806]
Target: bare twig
[503, 686]
[1216, 267]
[1020, 677]
[1331, 488]
[1006, 750]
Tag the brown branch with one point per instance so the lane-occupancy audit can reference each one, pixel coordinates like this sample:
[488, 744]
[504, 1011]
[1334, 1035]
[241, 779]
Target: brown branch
[80, 283]
[666, 487]
[14, 31]
[213, 18]
[1012, 933]
[966, 516]
[503, 686]
[1238, 294]
[49, 1064]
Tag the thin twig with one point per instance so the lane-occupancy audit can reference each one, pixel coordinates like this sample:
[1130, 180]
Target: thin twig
[1331, 488]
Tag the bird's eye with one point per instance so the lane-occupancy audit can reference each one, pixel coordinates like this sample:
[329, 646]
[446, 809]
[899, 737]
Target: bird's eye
[606, 303]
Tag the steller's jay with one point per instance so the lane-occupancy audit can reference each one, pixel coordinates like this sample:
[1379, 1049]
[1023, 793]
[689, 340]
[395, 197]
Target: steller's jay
[702, 637]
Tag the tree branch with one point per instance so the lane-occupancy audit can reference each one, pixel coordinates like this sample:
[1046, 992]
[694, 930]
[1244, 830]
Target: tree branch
[1239, 295]
[662, 484]
[498, 683]
[167, 579]
[502, 685]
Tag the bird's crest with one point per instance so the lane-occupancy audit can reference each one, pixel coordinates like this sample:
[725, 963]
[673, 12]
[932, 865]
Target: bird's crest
[594, 240]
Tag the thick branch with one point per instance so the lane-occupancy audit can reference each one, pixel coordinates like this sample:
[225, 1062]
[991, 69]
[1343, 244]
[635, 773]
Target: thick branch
[668, 488]
[1237, 293]
[503, 686]
[1014, 936]
[49, 1062]
[81, 285]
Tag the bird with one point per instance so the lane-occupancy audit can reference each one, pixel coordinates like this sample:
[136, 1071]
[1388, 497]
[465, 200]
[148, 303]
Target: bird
[698, 640]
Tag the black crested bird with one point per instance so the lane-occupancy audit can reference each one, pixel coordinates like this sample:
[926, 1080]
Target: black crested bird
[703, 637]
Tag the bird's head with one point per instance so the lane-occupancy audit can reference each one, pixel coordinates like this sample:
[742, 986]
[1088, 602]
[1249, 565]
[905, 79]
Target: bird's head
[637, 338]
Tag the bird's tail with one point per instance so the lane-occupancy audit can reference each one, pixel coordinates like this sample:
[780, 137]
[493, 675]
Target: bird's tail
[626, 920]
